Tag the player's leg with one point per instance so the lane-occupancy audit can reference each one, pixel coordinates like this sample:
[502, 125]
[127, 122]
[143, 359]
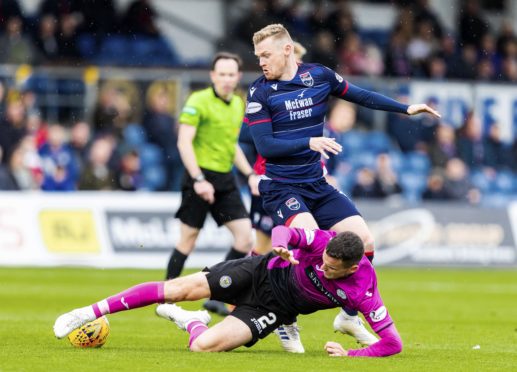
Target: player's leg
[229, 210]
[226, 335]
[192, 214]
[189, 288]
[263, 245]
[185, 246]
[358, 225]
[335, 211]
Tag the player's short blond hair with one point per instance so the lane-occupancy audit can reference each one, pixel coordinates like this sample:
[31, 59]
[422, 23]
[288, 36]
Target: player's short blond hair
[277, 30]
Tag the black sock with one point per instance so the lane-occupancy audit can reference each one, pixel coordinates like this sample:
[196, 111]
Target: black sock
[176, 263]
[233, 254]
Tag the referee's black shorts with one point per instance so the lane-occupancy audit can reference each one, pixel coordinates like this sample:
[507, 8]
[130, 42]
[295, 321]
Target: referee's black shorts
[228, 205]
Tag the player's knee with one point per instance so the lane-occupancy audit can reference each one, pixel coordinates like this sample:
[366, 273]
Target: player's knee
[369, 242]
[202, 345]
[175, 290]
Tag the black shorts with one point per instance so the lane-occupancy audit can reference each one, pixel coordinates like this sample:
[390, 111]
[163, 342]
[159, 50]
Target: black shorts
[228, 205]
[259, 217]
[245, 284]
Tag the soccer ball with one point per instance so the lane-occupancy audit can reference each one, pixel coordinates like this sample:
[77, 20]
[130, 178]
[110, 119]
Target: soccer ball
[93, 334]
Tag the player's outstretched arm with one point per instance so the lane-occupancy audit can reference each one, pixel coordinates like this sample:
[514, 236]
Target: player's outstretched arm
[390, 343]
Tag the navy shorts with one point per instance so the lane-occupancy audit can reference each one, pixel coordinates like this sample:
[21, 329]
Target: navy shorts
[259, 218]
[323, 201]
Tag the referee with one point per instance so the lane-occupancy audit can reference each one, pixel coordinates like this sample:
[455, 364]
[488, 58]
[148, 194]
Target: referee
[207, 142]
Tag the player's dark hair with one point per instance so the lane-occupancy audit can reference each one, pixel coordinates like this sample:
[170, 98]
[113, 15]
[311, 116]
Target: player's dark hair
[227, 55]
[347, 247]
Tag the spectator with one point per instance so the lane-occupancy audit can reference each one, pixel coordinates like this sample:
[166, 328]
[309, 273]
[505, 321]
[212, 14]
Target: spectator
[508, 70]
[25, 165]
[9, 9]
[386, 176]
[16, 47]
[99, 16]
[435, 187]
[444, 147]
[12, 127]
[323, 50]
[67, 37]
[506, 35]
[139, 19]
[472, 26]
[128, 177]
[457, 185]
[367, 185]
[485, 70]
[80, 135]
[60, 171]
[424, 13]
[396, 60]
[497, 153]
[112, 111]
[437, 68]
[161, 129]
[420, 47]
[341, 22]
[7, 182]
[96, 174]
[470, 143]
[46, 38]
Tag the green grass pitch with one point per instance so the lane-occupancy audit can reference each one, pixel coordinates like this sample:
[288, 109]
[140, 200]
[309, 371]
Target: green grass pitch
[441, 315]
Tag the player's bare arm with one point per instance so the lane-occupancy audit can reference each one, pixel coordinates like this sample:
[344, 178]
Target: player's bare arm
[202, 187]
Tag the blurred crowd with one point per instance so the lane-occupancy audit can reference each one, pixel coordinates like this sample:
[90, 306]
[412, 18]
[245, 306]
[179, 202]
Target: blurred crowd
[70, 31]
[418, 45]
[128, 139]
[110, 152]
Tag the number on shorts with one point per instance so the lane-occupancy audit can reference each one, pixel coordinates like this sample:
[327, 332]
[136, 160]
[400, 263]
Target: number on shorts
[266, 320]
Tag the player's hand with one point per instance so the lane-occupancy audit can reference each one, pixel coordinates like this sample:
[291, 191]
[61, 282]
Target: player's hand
[324, 145]
[334, 349]
[422, 108]
[253, 182]
[205, 190]
[286, 255]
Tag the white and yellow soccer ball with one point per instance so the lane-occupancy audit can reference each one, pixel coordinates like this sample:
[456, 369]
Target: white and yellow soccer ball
[93, 334]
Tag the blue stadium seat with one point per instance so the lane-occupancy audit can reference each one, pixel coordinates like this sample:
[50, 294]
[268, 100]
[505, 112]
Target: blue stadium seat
[378, 141]
[352, 141]
[481, 181]
[413, 185]
[397, 161]
[362, 159]
[505, 182]
[496, 200]
[87, 45]
[114, 50]
[150, 155]
[154, 177]
[417, 162]
[135, 135]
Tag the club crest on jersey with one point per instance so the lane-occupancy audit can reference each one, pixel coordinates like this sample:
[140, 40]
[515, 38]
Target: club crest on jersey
[307, 79]
[293, 204]
[225, 281]
[341, 294]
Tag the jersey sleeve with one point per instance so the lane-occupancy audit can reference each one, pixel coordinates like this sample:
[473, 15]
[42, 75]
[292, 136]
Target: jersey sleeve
[192, 111]
[373, 309]
[341, 88]
[257, 110]
[305, 239]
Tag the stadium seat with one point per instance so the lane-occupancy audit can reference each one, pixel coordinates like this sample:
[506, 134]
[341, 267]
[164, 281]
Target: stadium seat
[362, 159]
[413, 185]
[154, 177]
[480, 180]
[134, 134]
[378, 142]
[505, 182]
[352, 142]
[114, 50]
[417, 162]
[87, 46]
[496, 200]
[150, 155]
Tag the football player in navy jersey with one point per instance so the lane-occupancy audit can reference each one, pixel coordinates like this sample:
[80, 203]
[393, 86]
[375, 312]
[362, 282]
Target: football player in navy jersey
[285, 113]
